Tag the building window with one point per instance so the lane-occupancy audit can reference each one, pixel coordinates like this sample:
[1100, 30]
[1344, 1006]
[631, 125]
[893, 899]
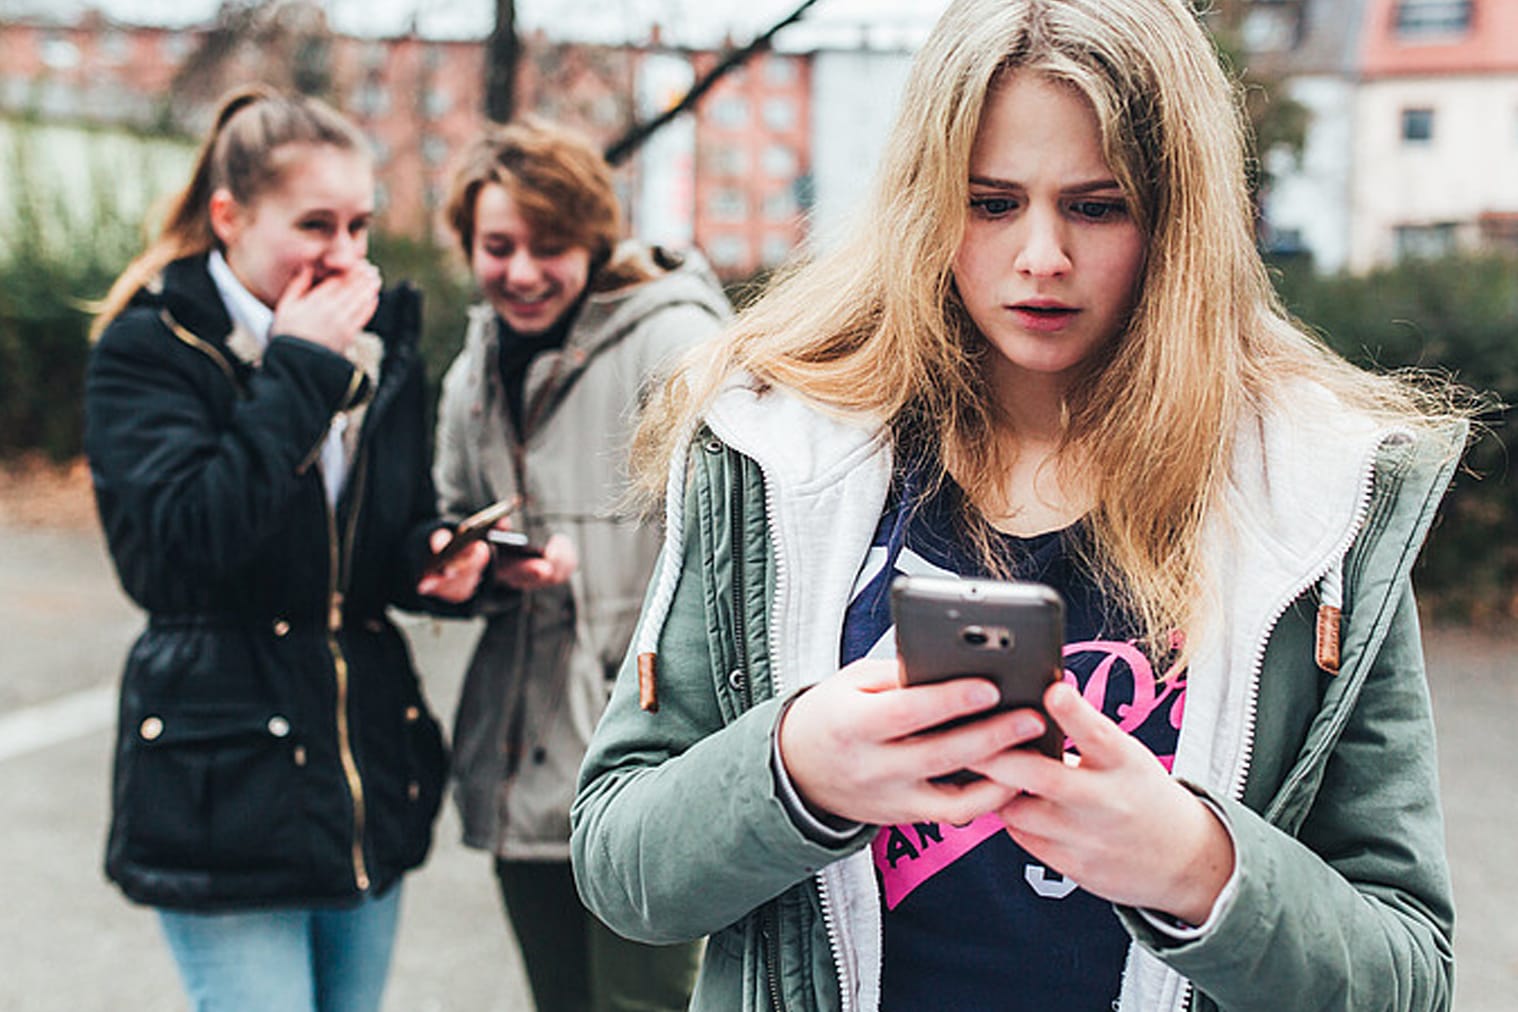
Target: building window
[779, 71]
[59, 53]
[1271, 28]
[1417, 126]
[779, 162]
[780, 205]
[437, 101]
[727, 204]
[775, 249]
[728, 251]
[727, 160]
[779, 113]
[434, 150]
[1433, 17]
[730, 112]
[1416, 242]
[372, 100]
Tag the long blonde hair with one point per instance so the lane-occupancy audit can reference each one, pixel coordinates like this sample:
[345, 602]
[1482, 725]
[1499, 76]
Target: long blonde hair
[243, 152]
[874, 327]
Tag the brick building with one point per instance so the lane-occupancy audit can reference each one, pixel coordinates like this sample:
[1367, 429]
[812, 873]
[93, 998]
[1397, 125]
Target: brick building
[420, 99]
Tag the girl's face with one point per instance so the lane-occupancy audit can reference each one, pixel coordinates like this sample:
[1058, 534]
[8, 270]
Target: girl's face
[319, 214]
[531, 281]
[1051, 256]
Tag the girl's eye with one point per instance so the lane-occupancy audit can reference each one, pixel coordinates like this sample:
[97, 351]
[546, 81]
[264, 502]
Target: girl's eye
[1099, 210]
[992, 207]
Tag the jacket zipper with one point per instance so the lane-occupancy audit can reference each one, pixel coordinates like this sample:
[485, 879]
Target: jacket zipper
[741, 677]
[185, 335]
[1341, 550]
[349, 399]
[1257, 663]
[340, 552]
[338, 558]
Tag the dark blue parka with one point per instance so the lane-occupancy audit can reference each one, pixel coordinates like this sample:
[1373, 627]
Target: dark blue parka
[274, 747]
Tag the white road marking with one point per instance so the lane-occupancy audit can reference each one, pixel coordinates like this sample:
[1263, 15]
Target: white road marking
[56, 721]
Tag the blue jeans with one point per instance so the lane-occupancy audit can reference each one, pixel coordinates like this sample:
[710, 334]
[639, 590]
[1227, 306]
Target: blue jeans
[286, 960]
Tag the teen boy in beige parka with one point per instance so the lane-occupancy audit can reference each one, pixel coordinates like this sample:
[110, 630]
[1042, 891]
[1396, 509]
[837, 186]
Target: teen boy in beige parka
[539, 409]
[543, 667]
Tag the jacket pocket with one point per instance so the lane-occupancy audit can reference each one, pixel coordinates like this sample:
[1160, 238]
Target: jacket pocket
[211, 788]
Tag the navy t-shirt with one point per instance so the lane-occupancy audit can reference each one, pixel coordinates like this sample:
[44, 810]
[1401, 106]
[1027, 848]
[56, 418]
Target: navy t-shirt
[971, 921]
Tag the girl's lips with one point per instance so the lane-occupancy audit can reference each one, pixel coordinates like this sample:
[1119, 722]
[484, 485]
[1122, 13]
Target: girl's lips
[1044, 318]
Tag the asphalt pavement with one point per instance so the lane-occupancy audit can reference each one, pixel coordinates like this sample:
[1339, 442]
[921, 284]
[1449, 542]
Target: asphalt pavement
[70, 943]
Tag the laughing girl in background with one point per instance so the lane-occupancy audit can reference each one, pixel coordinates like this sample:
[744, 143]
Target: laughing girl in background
[256, 433]
[1050, 352]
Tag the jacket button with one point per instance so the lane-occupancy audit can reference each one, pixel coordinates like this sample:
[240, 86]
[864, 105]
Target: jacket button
[151, 728]
[413, 714]
[374, 625]
[279, 727]
[413, 790]
[539, 755]
[281, 627]
[736, 680]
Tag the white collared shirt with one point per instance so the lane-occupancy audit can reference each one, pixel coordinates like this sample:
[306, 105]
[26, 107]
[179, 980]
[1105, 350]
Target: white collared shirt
[249, 313]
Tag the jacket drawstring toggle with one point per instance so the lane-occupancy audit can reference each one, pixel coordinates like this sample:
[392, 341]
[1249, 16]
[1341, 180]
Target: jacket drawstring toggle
[1330, 619]
[648, 682]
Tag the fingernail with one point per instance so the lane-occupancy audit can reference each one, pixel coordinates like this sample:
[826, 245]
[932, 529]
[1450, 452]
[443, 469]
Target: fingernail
[1029, 727]
[982, 694]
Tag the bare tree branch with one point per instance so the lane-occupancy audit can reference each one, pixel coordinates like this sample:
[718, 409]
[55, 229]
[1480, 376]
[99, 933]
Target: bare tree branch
[624, 147]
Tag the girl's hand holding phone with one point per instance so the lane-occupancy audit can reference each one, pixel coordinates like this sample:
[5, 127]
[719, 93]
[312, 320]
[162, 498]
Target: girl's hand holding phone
[330, 312]
[458, 578]
[861, 747]
[1115, 821]
[529, 572]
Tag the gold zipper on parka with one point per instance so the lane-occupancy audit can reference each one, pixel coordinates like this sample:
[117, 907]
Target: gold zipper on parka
[340, 554]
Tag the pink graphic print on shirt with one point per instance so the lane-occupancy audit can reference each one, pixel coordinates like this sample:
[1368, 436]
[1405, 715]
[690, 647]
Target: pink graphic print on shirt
[908, 855]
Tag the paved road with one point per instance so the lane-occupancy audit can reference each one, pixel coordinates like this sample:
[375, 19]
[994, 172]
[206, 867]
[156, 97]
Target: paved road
[69, 943]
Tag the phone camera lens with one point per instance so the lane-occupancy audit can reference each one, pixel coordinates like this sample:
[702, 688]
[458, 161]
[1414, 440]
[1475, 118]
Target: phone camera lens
[974, 635]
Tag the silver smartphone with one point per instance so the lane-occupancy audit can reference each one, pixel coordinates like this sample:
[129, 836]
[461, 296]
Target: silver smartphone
[1009, 632]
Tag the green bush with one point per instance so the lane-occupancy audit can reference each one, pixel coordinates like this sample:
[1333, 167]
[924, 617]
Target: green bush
[447, 292]
[1457, 315]
[54, 258]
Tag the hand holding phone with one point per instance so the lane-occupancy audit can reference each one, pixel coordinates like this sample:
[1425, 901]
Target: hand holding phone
[472, 528]
[1011, 633]
[512, 545]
